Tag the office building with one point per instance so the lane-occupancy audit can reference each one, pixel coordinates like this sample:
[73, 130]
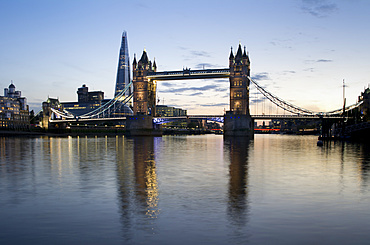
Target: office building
[169, 111]
[14, 111]
[123, 70]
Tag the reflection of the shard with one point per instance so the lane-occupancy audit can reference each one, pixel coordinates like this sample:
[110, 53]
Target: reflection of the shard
[238, 148]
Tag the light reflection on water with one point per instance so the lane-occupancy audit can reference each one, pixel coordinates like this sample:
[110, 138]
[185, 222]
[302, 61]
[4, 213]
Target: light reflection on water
[182, 190]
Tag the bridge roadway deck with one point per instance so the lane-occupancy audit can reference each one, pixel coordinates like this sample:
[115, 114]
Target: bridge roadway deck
[189, 74]
[87, 119]
[256, 117]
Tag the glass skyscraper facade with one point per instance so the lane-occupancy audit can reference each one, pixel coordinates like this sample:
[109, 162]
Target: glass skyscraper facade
[123, 70]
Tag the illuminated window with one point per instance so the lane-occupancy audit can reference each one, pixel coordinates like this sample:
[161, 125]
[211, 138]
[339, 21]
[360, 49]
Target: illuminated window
[238, 94]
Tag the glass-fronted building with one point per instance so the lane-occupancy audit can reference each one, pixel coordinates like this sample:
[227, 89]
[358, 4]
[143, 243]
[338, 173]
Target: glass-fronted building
[123, 70]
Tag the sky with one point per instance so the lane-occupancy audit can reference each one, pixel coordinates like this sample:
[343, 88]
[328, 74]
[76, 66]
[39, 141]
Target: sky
[300, 50]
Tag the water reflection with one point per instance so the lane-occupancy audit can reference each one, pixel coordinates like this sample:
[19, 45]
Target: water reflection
[145, 175]
[238, 205]
[17, 170]
[347, 152]
[365, 162]
[138, 186]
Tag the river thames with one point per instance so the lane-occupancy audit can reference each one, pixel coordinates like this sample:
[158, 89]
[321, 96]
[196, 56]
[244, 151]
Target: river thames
[274, 189]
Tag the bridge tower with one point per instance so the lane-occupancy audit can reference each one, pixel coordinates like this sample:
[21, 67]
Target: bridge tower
[141, 123]
[239, 82]
[144, 88]
[238, 121]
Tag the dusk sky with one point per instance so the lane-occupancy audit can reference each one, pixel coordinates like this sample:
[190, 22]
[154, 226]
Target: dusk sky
[300, 50]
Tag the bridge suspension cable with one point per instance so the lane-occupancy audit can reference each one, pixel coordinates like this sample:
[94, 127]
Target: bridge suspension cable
[102, 111]
[63, 114]
[348, 108]
[280, 102]
[295, 109]
[104, 108]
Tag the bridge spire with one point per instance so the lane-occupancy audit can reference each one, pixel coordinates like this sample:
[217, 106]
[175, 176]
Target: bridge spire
[239, 54]
[154, 65]
[231, 54]
[245, 52]
[134, 63]
[144, 58]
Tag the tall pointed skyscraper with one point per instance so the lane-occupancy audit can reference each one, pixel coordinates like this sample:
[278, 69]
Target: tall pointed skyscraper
[123, 70]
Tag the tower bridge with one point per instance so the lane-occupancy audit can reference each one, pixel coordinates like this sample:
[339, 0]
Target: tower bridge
[142, 92]
[145, 77]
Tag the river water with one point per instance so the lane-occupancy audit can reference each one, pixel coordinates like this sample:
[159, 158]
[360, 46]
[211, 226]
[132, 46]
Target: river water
[274, 189]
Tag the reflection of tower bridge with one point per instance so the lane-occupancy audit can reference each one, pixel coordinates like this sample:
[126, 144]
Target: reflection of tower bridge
[236, 121]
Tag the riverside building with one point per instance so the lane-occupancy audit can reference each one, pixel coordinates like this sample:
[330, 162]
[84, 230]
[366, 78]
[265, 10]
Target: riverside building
[14, 111]
[169, 111]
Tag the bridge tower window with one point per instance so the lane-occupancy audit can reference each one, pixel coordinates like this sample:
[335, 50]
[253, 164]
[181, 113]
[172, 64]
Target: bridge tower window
[238, 94]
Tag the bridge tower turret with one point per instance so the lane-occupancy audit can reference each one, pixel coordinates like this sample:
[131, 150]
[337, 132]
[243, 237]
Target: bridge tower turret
[144, 88]
[238, 121]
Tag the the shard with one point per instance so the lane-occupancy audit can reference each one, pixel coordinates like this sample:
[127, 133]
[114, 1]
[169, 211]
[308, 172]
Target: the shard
[123, 70]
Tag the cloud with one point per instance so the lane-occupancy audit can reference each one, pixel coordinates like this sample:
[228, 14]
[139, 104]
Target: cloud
[182, 48]
[205, 66]
[199, 53]
[167, 84]
[196, 94]
[323, 60]
[221, 89]
[311, 69]
[221, 80]
[261, 76]
[256, 101]
[318, 8]
[191, 54]
[318, 61]
[215, 105]
[283, 43]
[181, 90]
